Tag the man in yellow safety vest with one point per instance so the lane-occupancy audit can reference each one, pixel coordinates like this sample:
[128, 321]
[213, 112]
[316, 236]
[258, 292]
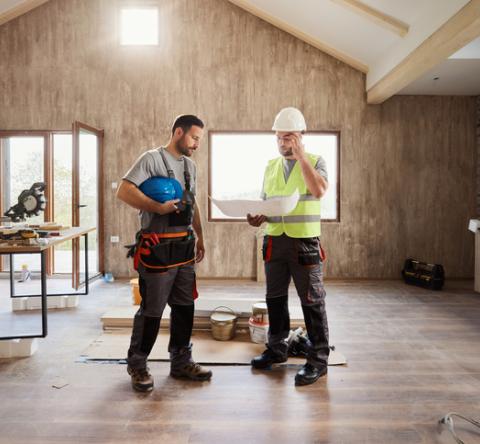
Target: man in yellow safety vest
[291, 248]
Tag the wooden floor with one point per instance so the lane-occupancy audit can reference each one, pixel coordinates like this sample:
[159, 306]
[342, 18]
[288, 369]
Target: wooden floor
[413, 355]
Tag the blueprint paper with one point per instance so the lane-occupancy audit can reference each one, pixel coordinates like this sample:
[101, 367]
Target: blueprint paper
[276, 206]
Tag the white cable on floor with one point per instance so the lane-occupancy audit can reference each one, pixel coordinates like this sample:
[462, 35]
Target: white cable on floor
[448, 421]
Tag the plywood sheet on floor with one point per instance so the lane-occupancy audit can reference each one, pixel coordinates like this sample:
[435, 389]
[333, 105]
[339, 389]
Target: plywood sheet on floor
[206, 350]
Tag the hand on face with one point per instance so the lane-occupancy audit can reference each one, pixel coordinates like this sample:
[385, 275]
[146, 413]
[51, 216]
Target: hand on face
[298, 150]
[290, 145]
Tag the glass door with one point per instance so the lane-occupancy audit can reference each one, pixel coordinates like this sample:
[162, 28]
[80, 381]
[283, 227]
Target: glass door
[87, 202]
[23, 162]
[62, 197]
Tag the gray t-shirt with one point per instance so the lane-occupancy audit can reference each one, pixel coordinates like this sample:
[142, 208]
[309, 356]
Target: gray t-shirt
[150, 164]
[288, 164]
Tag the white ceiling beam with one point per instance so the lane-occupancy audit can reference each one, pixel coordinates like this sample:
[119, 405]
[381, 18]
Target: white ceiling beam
[376, 16]
[244, 4]
[19, 9]
[458, 31]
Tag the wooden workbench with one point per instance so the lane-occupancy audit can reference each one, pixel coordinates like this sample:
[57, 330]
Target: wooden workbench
[66, 235]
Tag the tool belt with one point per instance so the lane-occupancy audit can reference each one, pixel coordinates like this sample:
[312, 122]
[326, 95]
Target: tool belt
[158, 252]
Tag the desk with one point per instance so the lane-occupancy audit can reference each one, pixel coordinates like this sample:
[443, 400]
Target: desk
[66, 235]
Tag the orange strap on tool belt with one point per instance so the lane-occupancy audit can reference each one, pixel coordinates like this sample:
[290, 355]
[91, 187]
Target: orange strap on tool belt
[162, 251]
[164, 235]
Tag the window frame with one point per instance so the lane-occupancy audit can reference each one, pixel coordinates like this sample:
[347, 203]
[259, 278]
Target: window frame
[212, 133]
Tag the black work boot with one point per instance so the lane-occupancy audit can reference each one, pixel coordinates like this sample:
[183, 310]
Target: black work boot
[142, 380]
[279, 321]
[267, 358]
[308, 374]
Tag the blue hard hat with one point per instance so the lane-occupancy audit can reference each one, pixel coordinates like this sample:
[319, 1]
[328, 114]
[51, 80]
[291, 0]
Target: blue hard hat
[162, 189]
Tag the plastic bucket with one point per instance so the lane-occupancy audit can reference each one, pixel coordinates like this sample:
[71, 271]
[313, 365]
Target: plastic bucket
[258, 323]
[258, 332]
[136, 298]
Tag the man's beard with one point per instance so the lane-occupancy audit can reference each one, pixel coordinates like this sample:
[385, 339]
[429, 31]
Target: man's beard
[286, 152]
[182, 149]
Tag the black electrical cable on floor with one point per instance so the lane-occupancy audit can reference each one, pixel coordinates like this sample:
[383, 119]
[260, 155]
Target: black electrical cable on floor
[448, 421]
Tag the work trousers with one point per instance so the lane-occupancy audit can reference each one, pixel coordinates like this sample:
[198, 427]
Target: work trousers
[286, 258]
[177, 287]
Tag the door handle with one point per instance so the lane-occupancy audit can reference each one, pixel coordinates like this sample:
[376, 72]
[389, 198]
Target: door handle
[81, 206]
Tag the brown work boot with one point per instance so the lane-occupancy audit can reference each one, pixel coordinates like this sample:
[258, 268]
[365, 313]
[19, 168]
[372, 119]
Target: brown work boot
[142, 380]
[192, 371]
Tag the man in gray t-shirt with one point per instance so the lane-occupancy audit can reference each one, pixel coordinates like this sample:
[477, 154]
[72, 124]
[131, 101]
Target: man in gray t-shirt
[151, 164]
[164, 255]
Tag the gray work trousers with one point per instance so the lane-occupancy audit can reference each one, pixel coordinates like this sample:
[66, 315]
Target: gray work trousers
[286, 258]
[176, 287]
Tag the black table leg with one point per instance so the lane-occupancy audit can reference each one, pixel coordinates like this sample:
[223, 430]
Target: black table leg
[43, 272]
[86, 262]
[12, 277]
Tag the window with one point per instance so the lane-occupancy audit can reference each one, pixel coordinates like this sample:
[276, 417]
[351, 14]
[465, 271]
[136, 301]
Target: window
[139, 26]
[238, 161]
[22, 166]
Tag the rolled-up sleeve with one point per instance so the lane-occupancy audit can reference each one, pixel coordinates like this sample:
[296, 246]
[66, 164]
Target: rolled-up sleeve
[321, 167]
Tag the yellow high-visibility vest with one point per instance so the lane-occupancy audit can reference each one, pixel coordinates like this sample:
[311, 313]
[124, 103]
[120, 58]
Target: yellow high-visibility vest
[304, 220]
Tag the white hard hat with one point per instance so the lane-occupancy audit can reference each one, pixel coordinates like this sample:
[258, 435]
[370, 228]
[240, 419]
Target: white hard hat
[289, 119]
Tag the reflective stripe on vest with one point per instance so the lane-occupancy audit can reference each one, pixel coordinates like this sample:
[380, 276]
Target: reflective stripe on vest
[302, 198]
[304, 220]
[294, 219]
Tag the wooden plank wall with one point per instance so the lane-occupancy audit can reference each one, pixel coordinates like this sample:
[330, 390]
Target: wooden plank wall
[407, 168]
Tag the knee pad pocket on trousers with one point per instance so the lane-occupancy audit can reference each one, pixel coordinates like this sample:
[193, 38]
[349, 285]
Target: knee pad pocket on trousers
[315, 291]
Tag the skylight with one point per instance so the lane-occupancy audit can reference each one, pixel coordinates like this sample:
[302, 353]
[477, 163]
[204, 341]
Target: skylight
[139, 26]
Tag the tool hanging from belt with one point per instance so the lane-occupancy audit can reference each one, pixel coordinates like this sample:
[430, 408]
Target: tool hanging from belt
[161, 251]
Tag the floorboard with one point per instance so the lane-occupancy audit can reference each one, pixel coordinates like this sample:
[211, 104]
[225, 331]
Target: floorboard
[413, 355]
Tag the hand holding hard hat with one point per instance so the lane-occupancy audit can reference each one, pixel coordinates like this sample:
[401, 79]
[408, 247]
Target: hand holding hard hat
[167, 191]
[162, 189]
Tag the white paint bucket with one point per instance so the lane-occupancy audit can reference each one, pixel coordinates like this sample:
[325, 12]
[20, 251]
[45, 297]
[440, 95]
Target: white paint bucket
[258, 323]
